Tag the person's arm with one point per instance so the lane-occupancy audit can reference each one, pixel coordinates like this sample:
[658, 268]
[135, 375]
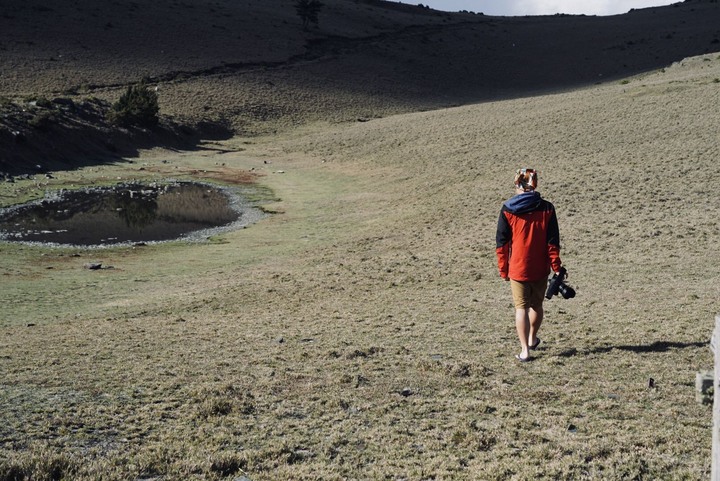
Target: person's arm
[553, 243]
[502, 245]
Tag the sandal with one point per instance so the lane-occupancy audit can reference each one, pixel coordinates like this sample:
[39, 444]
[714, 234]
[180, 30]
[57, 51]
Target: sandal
[522, 359]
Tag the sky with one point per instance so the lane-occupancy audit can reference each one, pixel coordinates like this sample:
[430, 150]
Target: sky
[541, 7]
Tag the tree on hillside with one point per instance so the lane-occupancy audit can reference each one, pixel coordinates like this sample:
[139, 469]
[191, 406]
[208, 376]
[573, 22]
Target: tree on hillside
[308, 11]
[138, 106]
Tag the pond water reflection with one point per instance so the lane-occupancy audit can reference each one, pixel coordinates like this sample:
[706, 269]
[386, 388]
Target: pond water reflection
[125, 213]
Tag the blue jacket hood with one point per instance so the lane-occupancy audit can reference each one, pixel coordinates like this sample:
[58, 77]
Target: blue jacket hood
[525, 202]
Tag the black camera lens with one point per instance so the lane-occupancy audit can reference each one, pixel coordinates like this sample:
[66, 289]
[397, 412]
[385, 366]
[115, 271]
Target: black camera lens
[566, 291]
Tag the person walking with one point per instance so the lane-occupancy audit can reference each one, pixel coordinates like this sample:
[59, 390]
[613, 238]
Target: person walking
[527, 248]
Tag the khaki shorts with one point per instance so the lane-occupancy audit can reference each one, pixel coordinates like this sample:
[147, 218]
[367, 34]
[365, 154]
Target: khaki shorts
[528, 294]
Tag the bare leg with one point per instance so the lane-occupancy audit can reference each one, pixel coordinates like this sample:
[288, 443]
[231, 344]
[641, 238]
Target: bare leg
[522, 325]
[535, 318]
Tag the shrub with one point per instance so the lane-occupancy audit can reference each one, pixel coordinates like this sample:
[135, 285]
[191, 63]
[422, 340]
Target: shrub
[42, 120]
[308, 11]
[43, 102]
[137, 107]
[38, 101]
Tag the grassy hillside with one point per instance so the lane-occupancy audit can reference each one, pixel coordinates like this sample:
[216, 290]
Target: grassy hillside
[248, 66]
[362, 332]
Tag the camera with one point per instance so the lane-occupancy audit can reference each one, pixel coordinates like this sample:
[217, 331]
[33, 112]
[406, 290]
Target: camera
[557, 285]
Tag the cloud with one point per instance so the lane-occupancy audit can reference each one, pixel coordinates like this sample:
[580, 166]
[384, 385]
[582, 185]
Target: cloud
[588, 7]
[544, 7]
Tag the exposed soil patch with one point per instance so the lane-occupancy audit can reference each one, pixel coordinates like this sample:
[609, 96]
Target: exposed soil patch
[223, 174]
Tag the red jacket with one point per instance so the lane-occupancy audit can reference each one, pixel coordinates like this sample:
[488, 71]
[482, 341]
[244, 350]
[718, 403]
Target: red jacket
[528, 238]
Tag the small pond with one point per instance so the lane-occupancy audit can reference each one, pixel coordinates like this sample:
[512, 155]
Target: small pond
[127, 213]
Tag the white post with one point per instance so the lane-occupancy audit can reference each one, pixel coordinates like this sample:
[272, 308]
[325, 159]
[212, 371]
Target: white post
[715, 476]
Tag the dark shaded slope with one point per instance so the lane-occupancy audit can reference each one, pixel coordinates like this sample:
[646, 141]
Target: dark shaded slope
[247, 65]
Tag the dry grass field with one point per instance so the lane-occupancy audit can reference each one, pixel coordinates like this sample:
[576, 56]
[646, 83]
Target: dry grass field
[361, 331]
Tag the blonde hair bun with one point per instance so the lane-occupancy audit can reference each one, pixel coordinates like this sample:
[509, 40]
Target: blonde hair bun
[526, 179]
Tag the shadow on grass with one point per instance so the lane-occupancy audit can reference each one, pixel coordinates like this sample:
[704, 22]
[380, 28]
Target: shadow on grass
[656, 347]
[65, 135]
